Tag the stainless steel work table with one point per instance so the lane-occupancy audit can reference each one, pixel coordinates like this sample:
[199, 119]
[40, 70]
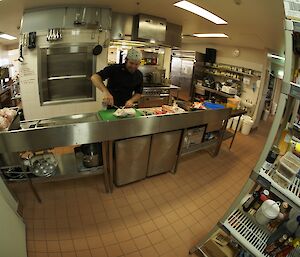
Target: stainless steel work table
[88, 128]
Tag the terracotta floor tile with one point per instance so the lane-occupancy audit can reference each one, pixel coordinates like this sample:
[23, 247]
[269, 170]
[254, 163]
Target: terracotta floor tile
[155, 237]
[55, 254]
[149, 252]
[40, 246]
[136, 231]
[83, 253]
[108, 239]
[94, 242]
[53, 246]
[135, 254]
[80, 244]
[148, 227]
[113, 250]
[162, 247]
[122, 235]
[128, 246]
[142, 242]
[66, 245]
[167, 231]
[98, 252]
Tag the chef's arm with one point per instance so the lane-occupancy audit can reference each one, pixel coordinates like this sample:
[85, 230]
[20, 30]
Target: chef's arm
[98, 83]
[136, 97]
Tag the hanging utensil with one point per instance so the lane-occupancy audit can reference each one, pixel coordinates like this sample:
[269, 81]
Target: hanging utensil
[98, 48]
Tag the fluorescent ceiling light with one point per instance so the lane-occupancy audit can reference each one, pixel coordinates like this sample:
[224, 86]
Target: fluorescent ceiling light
[200, 11]
[6, 36]
[210, 35]
[276, 57]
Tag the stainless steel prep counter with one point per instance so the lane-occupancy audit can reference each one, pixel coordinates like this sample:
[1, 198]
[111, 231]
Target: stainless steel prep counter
[79, 129]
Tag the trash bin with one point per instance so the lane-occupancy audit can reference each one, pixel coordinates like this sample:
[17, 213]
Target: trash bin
[266, 115]
[229, 123]
[247, 125]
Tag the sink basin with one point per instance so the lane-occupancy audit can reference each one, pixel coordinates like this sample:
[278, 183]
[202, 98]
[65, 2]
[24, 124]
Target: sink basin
[65, 120]
[247, 104]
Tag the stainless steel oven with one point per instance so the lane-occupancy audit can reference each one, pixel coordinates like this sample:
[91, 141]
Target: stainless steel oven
[64, 74]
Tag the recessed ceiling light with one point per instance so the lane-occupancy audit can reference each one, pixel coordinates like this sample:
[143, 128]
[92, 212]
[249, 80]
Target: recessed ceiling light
[276, 56]
[211, 35]
[6, 36]
[200, 11]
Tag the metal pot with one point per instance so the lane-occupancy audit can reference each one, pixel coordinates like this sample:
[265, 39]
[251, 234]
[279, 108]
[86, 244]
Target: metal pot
[92, 155]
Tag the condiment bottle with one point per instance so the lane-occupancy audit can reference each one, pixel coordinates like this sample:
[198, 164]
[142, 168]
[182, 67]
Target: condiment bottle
[264, 195]
[251, 200]
[271, 158]
[271, 247]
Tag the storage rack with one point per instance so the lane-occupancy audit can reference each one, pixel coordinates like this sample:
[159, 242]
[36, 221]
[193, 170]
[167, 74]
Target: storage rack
[243, 228]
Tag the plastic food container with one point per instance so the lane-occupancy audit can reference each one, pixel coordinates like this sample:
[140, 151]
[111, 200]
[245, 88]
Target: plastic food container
[281, 180]
[268, 211]
[232, 103]
[289, 166]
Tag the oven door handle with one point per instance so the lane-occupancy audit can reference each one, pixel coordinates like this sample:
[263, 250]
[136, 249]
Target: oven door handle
[67, 77]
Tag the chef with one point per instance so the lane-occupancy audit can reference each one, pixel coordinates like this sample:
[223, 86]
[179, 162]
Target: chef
[125, 81]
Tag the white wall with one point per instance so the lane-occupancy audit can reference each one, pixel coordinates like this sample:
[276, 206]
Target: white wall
[29, 78]
[249, 58]
[3, 56]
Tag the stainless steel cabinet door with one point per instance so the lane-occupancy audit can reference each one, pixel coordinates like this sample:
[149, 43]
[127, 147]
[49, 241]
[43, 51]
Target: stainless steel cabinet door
[132, 157]
[163, 154]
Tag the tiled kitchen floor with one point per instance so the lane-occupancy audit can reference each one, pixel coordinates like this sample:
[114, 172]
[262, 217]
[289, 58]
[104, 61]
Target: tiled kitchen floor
[161, 216]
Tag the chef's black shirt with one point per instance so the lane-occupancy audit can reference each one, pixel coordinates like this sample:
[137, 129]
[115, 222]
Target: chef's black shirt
[121, 83]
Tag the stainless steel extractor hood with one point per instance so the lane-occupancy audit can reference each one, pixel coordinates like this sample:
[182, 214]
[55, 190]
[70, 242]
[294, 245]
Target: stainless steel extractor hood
[149, 28]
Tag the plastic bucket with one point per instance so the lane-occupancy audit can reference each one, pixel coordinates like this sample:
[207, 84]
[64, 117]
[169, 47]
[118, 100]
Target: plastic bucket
[266, 115]
[229, 123]
[268, 211]
[247, 126]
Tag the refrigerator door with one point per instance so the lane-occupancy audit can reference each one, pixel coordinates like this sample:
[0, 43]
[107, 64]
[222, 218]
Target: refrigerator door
[163, 154]
[131, 159]
[182, 76]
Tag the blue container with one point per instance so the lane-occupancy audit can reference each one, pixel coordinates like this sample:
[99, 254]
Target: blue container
[213, 106]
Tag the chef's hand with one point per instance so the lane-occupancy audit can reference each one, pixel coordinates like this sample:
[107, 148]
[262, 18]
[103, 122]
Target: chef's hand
[129, 104]
[108, 99]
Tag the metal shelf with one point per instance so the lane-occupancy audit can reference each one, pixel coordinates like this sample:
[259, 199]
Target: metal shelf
[247, 232]
[290, 194]
[233, 71]
[197, 147]
[224, 76]
[216, 92]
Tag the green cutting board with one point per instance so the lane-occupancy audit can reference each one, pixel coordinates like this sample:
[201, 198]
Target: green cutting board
[107, 115]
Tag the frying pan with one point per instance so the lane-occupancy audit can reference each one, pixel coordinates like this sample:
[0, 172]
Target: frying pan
[99, 48]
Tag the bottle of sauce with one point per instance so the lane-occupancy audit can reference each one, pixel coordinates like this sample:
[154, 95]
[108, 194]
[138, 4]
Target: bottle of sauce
[271, 158]
[276, 244]
[264, 195]
[251, 200]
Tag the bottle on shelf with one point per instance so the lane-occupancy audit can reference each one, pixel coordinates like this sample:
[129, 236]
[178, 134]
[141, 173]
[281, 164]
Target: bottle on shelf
[290, 227]
[276, 244]
[286, 249]
[264, 195]
[271, 158]
[251, 200]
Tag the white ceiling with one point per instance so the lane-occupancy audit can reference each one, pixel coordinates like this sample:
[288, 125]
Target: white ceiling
[253, 23]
